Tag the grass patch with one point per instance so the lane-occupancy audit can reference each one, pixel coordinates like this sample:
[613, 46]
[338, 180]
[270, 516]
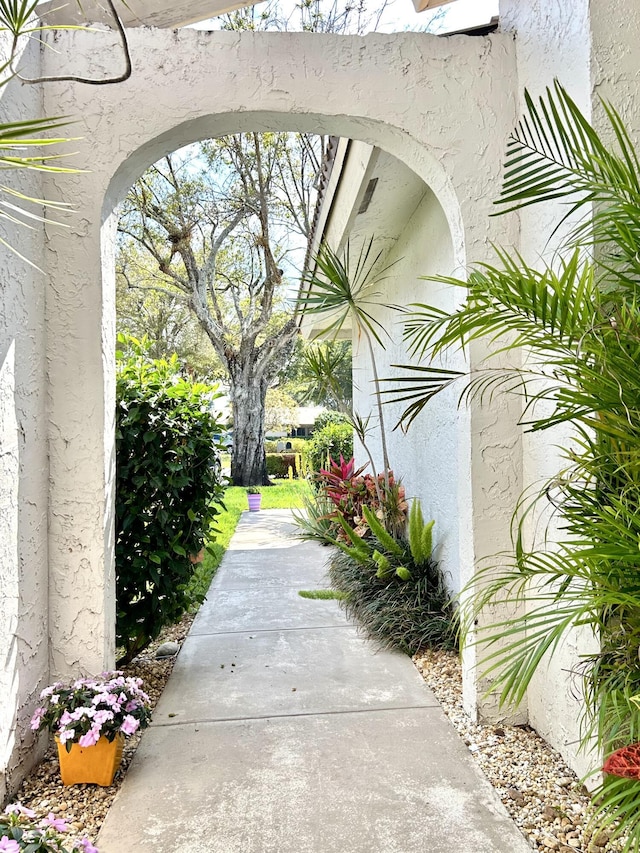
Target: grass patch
[286, 494]
[322, 594]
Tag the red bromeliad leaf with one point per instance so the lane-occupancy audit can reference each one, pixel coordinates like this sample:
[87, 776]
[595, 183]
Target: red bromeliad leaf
[624, 762]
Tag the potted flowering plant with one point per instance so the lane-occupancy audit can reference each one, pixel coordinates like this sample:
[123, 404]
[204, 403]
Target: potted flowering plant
[90, 719]
[20, 831]
[254, 497]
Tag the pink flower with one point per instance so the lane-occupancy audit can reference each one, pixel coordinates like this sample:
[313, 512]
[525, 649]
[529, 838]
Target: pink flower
[79, 713]
[9, 845]
[91, 738]
[66, 718]
[129, 725]
[49, 690]
[54, 822]
[101, 717]
[18, 808]
[37, 718]
[66, 734]
[87, 846]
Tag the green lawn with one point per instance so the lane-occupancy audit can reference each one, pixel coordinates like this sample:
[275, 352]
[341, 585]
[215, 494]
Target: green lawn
[287, 494]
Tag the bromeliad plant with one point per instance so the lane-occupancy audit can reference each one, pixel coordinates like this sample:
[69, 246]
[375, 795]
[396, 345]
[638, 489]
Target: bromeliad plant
[350, 492]
[393, 586]
[579, 321]
[90, 708]
[20, 832]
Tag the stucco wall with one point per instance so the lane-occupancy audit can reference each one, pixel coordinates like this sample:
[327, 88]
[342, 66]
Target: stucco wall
[554, 40]
[23, 467]
[426, 457]
[444, 107]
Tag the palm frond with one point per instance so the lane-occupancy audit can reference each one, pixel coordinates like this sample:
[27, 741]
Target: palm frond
[344, 289]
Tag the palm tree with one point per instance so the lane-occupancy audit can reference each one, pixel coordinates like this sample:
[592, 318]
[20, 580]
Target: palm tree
[580, 321]
[22, 142]
[345, 291]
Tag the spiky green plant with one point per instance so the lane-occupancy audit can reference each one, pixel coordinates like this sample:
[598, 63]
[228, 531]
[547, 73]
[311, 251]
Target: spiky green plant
[420, 535]
[314, 520]
[408, 614]
[26, 144]
[580, 322]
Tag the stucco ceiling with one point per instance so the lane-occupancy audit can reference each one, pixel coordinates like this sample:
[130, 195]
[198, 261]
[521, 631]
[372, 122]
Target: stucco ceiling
[380, 215]
[137, 13]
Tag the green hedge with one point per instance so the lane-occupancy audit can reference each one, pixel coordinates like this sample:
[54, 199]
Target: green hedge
[278, 464]
[168, 487]
[333, 440]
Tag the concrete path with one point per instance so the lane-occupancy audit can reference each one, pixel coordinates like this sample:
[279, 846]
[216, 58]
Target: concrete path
[282, 731]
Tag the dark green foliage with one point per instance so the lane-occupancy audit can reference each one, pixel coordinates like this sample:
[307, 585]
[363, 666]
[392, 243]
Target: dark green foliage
[408, 615]
[167, 487]
[335, 440]
[330, 417]
[278, 464]
[400, 602]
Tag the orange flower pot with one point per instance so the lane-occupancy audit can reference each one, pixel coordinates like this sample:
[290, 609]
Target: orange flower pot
[95, 765]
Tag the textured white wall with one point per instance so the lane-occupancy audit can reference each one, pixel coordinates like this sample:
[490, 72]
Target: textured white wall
[426, 457]
[442, 106]
[23, 467]
[555, 40]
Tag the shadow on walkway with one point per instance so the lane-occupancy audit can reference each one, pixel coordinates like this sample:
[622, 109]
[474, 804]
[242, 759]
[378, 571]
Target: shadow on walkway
[282, 731]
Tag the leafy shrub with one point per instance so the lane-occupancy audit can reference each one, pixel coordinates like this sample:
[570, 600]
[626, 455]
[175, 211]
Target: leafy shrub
[167, 485]
[330, 417]
[278, 464]
[405, 615]
[390, 582]
[350, 491]
[334, 440]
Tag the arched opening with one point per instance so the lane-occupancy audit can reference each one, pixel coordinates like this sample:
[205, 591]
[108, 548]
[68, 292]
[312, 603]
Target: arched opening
[408, 97]
[370, 193]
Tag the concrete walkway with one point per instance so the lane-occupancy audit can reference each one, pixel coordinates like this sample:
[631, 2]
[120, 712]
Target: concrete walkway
[283, 731]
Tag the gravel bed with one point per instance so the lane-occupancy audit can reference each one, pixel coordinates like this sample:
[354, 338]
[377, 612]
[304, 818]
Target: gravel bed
[84, 806]
[543, 796]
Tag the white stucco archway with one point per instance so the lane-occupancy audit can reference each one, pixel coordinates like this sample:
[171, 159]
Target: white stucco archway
[443, 106]
[430, 102]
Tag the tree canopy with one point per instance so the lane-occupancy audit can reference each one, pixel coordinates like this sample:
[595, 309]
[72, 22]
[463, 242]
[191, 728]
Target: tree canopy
[217, 229]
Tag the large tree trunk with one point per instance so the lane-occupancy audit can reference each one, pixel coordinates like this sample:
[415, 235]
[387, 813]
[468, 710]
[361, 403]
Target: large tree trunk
[248, 459]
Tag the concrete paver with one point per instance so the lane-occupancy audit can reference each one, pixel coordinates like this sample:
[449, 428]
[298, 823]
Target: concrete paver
[314, 742]
[274, 673]
[264, 609]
